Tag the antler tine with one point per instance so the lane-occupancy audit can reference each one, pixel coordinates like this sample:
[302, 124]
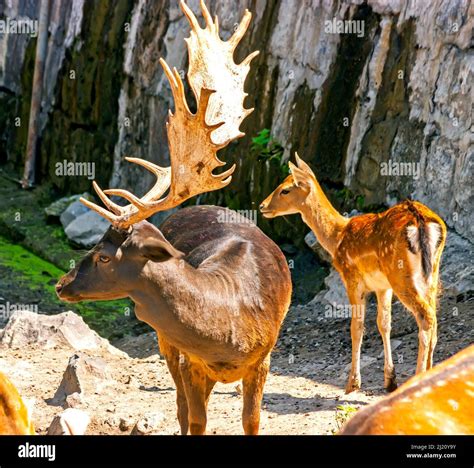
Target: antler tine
[226, 176]
[116, 209]
[249, 58]
[134, 200]
[154, 168]
[241, 30]
[207, 15]
[163, 177]
[177, 87]
[98, 209]
[190, 15]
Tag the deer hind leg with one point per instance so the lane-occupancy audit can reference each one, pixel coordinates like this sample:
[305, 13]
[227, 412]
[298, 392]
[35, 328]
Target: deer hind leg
[425, 316]
[253, 384]
[432, 299]
[197, 387]
[171, 355]
[384, 324]
[357, 299]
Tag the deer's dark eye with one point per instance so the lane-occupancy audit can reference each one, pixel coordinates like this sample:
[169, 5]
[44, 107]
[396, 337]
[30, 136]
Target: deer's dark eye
[285, 192]
[104, 259]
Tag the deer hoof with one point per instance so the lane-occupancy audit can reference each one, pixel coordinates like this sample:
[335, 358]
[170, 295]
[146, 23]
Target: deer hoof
[390, 384]
[353, 384]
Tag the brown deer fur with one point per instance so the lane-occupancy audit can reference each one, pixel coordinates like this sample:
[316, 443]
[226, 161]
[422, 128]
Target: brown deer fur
[215, 292]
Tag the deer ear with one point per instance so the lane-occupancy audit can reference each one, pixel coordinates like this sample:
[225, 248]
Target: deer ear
[158, 250]
[302, 165]
[301, 178]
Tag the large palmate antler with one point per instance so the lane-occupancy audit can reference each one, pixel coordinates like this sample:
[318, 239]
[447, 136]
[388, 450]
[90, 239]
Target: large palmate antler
[193, 139]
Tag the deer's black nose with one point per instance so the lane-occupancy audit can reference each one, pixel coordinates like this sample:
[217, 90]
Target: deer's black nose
[262, 206]
[59, 287]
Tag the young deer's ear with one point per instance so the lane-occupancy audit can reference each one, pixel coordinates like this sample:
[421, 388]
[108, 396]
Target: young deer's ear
[158, 250]
[302, 179]
[302, 165]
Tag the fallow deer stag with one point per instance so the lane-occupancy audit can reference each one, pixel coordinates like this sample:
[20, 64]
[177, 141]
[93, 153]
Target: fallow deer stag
[14, 418]
[439, 401]
[216, 292]
[397, 251]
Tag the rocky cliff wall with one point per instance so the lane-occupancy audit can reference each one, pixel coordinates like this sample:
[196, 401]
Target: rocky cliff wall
[394, 95]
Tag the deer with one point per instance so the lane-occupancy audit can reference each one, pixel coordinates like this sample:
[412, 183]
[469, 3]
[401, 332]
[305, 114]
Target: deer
[437, 402]
[14, 416]
[396, 252]
[215, 291]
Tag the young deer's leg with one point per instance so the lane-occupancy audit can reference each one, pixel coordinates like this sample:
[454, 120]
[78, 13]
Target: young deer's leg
[433, 341]
[425, 316]
[356, 296]
[432, 299]
[197, 389]
[171, 355]
[253, 384]
[384, 324]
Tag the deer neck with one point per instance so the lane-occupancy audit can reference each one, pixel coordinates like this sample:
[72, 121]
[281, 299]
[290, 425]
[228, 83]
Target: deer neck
[323, 219]
[171, 298]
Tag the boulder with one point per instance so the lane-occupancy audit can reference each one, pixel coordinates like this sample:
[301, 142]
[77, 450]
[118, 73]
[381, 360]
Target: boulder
[73, 211]
[47, 331]
[87, 229]
[334, 293]
[83, 375]
[69, 422]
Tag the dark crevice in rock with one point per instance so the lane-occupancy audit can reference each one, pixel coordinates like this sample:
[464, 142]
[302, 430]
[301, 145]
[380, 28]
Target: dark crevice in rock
[327, 142]
[389, 124]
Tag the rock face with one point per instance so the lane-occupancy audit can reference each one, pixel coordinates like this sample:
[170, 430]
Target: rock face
[384, 108]
[457, 266]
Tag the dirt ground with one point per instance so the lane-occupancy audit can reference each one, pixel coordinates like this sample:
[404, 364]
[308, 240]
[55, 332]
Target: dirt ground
[302, 393]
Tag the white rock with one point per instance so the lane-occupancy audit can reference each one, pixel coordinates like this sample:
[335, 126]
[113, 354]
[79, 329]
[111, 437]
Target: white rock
[70, 422]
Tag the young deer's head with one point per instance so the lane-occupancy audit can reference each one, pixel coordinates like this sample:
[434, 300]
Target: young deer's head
[112, 268]
[291, 195]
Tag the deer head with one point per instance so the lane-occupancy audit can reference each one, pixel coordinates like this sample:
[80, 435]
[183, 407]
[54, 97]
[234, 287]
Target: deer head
[112, 268]
[194, 140]
[290, 196]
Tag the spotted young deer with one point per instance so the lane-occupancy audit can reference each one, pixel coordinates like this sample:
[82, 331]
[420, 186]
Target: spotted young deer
[397, 251]
[439, 401]
[14, 418]
[215, 291]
